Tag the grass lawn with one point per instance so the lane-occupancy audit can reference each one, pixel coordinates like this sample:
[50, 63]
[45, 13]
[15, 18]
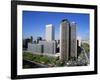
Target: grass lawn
[43, 59]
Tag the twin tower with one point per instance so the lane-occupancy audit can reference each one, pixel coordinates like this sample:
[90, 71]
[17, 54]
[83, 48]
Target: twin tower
[68, 42]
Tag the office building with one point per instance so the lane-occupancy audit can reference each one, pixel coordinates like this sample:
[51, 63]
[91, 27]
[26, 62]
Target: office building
[48, 47]
[64, 40]
[73, 41]
[39, 39]
[35, 48]
[43, 47]
[49, 34]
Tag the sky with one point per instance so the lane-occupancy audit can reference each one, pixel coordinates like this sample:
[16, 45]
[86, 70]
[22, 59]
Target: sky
[34, 23]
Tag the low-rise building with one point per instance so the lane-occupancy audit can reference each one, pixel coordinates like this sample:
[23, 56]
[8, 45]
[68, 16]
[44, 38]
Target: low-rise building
[35, 48]
[48, 47]
[43, 47]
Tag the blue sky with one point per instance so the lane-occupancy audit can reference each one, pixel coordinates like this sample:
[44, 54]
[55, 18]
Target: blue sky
[34, 23]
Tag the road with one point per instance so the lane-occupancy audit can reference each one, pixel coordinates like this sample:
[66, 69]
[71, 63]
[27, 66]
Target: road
[31, 64]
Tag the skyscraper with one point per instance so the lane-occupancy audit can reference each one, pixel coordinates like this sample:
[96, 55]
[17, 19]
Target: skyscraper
[73, 41]
[64, 39]
[49, 32]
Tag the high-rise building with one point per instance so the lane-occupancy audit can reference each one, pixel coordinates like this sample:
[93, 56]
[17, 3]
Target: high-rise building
[64, 39]
[49, 32]
[39, 39]
[73, 41]
[31, 39]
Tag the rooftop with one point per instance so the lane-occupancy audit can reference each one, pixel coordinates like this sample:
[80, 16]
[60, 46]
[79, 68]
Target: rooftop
[65, 20]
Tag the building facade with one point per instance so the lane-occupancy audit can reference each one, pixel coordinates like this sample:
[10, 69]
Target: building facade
[35, 48]
[64, 40]
[43, 47]
[73, 41]
[48, 47]
[49, 34]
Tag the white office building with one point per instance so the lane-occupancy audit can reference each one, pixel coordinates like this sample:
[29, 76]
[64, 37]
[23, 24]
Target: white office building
[49, 34]
[48, 47]
[35, 48]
